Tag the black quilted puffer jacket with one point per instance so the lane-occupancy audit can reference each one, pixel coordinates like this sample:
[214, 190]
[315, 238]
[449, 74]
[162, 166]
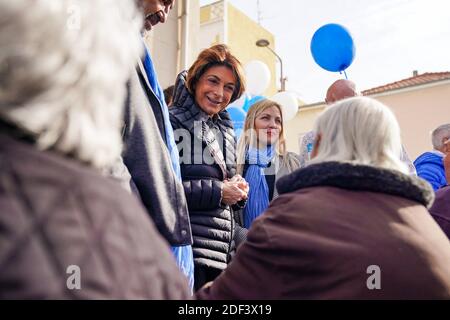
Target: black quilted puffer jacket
[207, 149]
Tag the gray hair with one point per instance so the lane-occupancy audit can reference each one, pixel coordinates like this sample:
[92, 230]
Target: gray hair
[439, 134]
[359, 130]
[63, 71]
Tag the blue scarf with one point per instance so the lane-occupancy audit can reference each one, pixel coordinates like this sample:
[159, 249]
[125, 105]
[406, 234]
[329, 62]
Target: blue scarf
[183, 254]
[258, 197]
[153, 80]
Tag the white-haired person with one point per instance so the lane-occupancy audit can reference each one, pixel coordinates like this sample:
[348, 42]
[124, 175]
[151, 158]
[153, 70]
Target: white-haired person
[262, 157]
[67, 231]
[351, 225]
[339, 90]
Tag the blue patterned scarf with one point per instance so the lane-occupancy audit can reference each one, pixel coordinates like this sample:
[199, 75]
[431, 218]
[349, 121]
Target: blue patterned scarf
[258, 198]
[153, 80]
[183, 254]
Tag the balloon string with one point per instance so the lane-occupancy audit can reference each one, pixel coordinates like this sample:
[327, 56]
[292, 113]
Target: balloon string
[345, 74]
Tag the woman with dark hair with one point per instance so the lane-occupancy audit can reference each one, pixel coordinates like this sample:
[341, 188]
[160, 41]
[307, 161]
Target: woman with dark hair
[206, 142]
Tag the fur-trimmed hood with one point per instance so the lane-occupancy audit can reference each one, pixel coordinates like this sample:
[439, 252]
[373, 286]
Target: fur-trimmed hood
[358, 177]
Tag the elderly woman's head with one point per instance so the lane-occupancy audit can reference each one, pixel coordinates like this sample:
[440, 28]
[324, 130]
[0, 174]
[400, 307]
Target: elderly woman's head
[215, 79]
[63, 69]
[360, 130]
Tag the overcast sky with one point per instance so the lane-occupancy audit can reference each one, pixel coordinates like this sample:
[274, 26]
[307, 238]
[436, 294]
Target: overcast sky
[392, 38]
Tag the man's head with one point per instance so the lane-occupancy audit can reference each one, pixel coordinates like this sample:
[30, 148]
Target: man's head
[339, 90]
[154, 11]
[441, 138]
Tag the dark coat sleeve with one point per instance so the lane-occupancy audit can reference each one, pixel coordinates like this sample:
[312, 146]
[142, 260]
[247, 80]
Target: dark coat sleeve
[148, 161]
[203, 194]
[247, 276]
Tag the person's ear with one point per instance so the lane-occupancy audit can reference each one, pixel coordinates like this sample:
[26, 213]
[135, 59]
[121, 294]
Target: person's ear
[317, 141]
[446, 145]
[446, 161]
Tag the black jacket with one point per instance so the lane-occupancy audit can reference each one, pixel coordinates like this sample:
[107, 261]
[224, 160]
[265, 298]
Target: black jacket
[147, 160]
[207, 148]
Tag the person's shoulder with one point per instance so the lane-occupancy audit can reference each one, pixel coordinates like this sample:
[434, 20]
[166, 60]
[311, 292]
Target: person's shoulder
[429, 158]
[291, 155]
[179, 116]
[431, 155]
[444, 191]
[293, 160]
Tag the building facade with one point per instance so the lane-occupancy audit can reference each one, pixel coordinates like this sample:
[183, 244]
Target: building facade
[174, 45]
[221, 22]
[421, 103]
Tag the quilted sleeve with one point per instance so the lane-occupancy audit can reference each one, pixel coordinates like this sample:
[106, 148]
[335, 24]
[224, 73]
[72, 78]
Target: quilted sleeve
[203, 194]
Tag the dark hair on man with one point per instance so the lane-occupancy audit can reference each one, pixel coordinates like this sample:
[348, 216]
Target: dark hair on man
[168, 95]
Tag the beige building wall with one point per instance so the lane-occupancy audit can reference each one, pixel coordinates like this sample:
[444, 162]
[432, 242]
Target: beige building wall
[243, 33]
[221, 22]
[302, 123]
[167, 42]
[212, 25]
[418, 112]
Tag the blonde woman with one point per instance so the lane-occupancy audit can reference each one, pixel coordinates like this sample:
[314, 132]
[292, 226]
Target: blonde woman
[262, 157]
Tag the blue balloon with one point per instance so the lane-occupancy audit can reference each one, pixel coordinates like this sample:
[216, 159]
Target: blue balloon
[249, 102]
[332, 47]
[237, 115]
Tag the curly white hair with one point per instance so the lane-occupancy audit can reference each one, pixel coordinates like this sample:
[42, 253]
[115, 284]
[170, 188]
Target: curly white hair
[359, 130]
[63, 71]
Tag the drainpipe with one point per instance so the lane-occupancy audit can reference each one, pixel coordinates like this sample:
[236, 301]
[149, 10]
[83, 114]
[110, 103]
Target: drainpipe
[184, 35]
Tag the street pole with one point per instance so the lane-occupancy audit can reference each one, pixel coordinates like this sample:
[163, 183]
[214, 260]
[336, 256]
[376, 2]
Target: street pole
[282, 78]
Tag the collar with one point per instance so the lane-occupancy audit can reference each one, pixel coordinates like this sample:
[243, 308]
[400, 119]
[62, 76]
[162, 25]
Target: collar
[439, 153]
[188, 111]
[358, 177]
[12, 130]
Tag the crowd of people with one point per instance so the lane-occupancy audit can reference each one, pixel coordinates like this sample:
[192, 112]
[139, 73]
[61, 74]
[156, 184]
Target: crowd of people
[111, 187]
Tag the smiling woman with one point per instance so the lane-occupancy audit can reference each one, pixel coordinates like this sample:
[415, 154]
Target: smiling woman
[214, 89]
[210, 184]
[262, 157]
